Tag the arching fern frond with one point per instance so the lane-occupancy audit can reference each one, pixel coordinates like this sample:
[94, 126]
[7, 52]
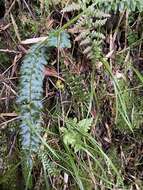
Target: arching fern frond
[89, 26]
[30, 96]
[95, 14]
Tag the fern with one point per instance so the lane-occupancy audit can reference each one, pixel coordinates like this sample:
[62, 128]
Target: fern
[30, 95]
[95, 14]
[75, 86]
[73, 134]
[89, 25]
[48, 165]
[119, 5]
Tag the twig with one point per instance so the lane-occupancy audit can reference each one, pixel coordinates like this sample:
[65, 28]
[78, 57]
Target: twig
[9, 51]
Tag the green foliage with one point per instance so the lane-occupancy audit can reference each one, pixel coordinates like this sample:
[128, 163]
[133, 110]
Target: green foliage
[113, 5]
[98, 90]
[119, 5]
[48, 166]
[94, 17]
[28, 26]
[137, 115]
[89, 25]
[30, 96]
[58, 41]
[132, 37]
[75, 131]
[127, 98]
[75, 85]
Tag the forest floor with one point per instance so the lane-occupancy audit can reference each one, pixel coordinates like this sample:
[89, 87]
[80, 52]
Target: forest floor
[92, 135]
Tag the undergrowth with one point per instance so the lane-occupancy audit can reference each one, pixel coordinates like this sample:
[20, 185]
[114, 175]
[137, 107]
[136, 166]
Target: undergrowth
[79, 97]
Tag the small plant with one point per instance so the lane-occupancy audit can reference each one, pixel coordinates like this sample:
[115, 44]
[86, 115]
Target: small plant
[72, 135]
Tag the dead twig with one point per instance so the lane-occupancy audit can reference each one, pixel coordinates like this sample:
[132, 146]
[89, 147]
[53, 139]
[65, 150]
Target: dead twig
[9, 51]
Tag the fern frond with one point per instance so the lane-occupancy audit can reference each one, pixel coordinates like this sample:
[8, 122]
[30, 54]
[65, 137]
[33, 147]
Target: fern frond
[30, 96]
[48, 165]
[73, 134]
[89, 25]
[87, 50]
[119, 5]
[71, 7]
[75, 85]
[31, 89]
